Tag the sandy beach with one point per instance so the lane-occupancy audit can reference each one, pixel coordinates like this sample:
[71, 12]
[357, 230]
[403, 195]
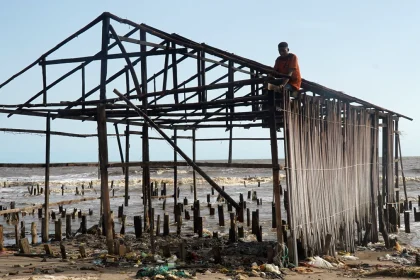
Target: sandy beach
[103, 266]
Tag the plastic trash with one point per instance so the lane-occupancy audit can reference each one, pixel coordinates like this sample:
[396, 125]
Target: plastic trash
[349, 258]
[152, 271]
[131, 256]
[171, 265]
[172, 259]
[97, 262]
[207, 233]
[320, 263]
[158, 259]
[158, 272]
[272, 268]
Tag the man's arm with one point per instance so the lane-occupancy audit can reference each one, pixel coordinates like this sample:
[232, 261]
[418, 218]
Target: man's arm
[285, 81]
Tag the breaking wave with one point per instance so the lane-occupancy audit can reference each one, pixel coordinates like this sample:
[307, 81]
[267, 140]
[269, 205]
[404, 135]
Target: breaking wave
[137, 181]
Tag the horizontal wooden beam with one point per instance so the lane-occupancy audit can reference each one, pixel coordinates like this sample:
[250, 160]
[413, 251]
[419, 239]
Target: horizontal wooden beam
[141, 164]
[40, 114]
[201, 164]
[112, 56]
[59, 133]
[138, 42]
[236, 139]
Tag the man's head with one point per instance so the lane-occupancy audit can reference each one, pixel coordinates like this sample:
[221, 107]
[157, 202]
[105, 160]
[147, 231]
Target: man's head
[283, 49]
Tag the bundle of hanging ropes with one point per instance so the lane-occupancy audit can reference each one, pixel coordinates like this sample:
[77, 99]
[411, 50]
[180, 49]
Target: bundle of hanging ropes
[329, 170]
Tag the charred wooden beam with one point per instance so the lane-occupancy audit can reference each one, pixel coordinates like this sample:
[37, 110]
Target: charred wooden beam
[174, 74]
[102, 138]
[39, 114]
[139, 164]
[47, 181]
[194, 159]
[208, 87]
[111, 56]
[165, 69]
[145, 139]
[127, 167]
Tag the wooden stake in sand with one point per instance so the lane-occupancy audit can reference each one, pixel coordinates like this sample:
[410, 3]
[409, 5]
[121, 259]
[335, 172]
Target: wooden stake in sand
[34, 233]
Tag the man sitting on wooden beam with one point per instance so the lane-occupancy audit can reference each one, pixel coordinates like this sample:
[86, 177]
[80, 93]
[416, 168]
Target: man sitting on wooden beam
[287, 64]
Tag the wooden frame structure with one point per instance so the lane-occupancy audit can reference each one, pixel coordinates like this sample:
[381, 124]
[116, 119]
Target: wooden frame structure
[237, 98]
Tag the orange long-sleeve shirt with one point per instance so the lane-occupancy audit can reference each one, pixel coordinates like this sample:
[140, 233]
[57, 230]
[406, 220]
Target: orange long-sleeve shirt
[284, 64]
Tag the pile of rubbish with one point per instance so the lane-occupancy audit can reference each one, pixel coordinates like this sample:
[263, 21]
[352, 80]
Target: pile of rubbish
[162, 272]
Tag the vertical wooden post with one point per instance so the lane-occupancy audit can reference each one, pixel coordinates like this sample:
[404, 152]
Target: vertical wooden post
[230, 144]
[248, 217]
[1, 238]
[230, 96]
[165, 225]
[407, 221]
[374, 178]
[174, 73]
[68, 226]
[194, 160]
[83, 87]
[233, 234]
[102, 136]
[44, 81]
[253, 91]
[127, 160]
[58, 233]
[145, 132]
[199, 226]
[138, 226]
[127, 144]
[255, 223]
[396, 140]
[103, 151]
[84, 224]
[47, 180]
[286, 104]
[199, 84]
[175, 170]
[276, 168]
[151, 215]
[221, 215]
[158, 225]
[63, 251]
[203, 78]
[384, 166]
[406, 204]
[391, 191]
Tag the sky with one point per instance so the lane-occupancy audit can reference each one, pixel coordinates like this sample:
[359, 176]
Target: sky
[367, 49]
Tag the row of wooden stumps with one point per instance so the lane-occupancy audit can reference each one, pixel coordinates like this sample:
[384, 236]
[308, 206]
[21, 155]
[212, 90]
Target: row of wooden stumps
[37, 190]
[235, 232]
[20, 233]
[393, 211]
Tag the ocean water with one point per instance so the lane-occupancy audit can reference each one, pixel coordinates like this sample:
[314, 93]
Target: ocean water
[235, 181]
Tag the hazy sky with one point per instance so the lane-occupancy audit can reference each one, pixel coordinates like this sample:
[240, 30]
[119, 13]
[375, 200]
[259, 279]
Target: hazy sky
[368, 49]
